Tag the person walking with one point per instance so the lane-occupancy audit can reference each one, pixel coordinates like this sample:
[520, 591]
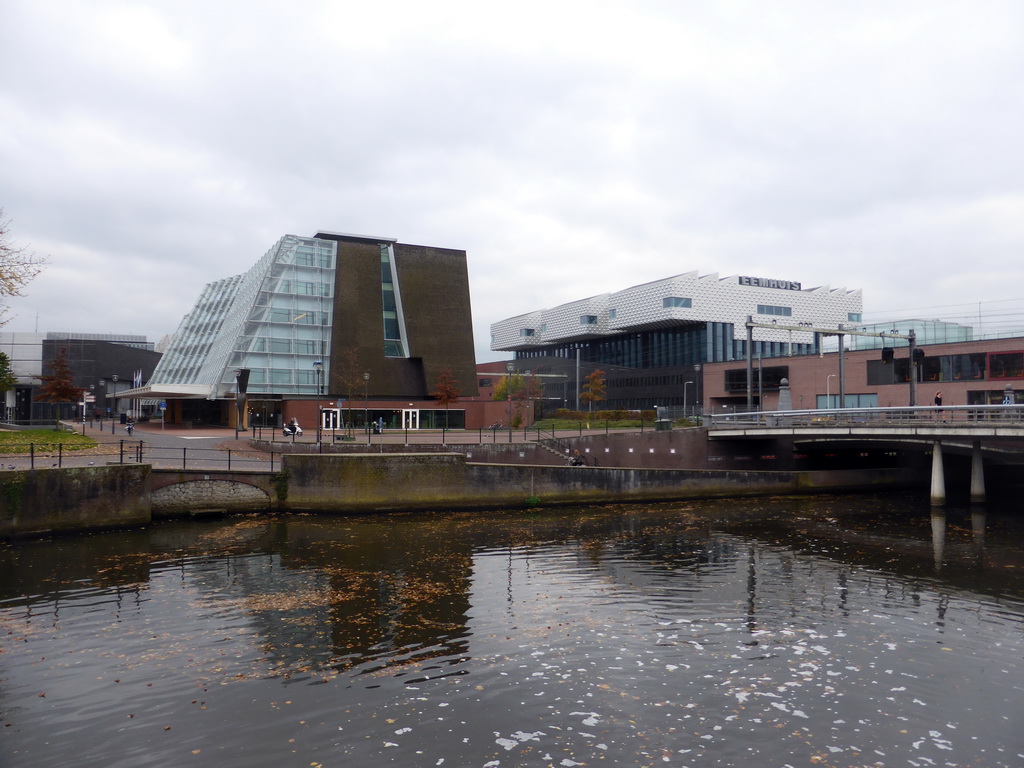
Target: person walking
[938, 404]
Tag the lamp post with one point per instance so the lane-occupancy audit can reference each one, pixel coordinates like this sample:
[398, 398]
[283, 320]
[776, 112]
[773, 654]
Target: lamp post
[113, 413]
[509, 367]
[318, 366]
[699, 404]
[685, 385]
[366, 404]
[238, 408]
[828, 390]
[103, 407]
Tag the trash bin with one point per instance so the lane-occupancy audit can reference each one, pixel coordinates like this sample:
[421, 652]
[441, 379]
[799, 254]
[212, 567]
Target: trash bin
[663, 425]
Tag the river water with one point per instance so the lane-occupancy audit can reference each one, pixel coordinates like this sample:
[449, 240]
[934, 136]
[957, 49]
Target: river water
[814, 631]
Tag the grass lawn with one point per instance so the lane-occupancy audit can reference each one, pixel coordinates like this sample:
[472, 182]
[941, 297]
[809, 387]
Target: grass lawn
[18, 441]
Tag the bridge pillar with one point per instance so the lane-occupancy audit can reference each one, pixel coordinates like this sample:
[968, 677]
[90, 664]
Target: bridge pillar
[977, 474]
[938, 496]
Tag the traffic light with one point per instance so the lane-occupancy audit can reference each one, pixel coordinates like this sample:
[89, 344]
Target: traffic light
[887, 355]
[918, 354]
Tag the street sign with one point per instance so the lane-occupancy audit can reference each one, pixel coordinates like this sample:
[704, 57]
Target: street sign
[163, 405]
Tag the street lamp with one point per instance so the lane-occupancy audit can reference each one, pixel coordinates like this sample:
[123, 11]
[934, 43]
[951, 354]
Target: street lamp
[699, 406]
[238, 401]
[113, 413]
[509, 367]
[828, 390]
[318, 366]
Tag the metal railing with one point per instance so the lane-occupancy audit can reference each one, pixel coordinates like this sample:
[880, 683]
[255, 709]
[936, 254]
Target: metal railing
[43, 455]
[963, 415]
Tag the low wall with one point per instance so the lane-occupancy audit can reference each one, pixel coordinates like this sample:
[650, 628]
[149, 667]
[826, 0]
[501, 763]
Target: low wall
[367, 483]
[36, 502]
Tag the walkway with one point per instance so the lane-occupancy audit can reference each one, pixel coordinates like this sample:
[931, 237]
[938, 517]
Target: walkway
[176, 447]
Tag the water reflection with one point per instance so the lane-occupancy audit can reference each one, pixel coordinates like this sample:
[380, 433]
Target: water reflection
[824, 630]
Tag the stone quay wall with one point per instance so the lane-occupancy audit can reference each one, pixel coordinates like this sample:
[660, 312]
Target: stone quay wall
[37, 502]
[390, 481]
[72, 500]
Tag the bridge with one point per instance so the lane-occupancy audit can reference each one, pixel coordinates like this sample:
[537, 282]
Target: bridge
[978, 428]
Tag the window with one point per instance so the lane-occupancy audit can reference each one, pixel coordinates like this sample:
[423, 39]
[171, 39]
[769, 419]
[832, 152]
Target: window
[676, 301]
[588, 319]
[394, 324]
[322, 260]
[280, 376]
[1008, 365]
[736, 379]
[969, 366]
[853, 317]
[768, 309]
[526, 331]
[852, 401]
[612, 314]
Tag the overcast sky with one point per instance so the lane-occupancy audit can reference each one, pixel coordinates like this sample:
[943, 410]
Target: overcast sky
[571, 148]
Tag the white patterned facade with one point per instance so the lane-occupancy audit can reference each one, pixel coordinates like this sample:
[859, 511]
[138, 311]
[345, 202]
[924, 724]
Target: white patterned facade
[689, 299]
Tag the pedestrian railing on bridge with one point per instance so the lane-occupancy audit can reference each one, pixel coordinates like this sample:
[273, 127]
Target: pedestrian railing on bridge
[962, 415]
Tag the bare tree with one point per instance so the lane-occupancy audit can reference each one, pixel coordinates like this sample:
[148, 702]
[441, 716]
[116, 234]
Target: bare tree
[348, 374]
[18, 265]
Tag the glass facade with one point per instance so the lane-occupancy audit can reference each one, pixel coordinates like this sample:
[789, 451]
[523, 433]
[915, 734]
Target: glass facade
[667, 347]
[394, 321]
[274, 320]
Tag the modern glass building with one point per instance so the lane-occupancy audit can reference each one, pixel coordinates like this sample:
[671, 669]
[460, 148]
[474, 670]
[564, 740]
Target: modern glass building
[318, 317]
[274, 321]
[651, 339]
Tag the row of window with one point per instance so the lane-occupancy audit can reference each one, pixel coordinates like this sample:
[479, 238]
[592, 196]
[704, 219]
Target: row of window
[280, 346]
[291, 316]
[282, 377]
[769, 309]
[852, 401]
[976, 366]
[305, 257]
[301, 287]
[684, 345]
